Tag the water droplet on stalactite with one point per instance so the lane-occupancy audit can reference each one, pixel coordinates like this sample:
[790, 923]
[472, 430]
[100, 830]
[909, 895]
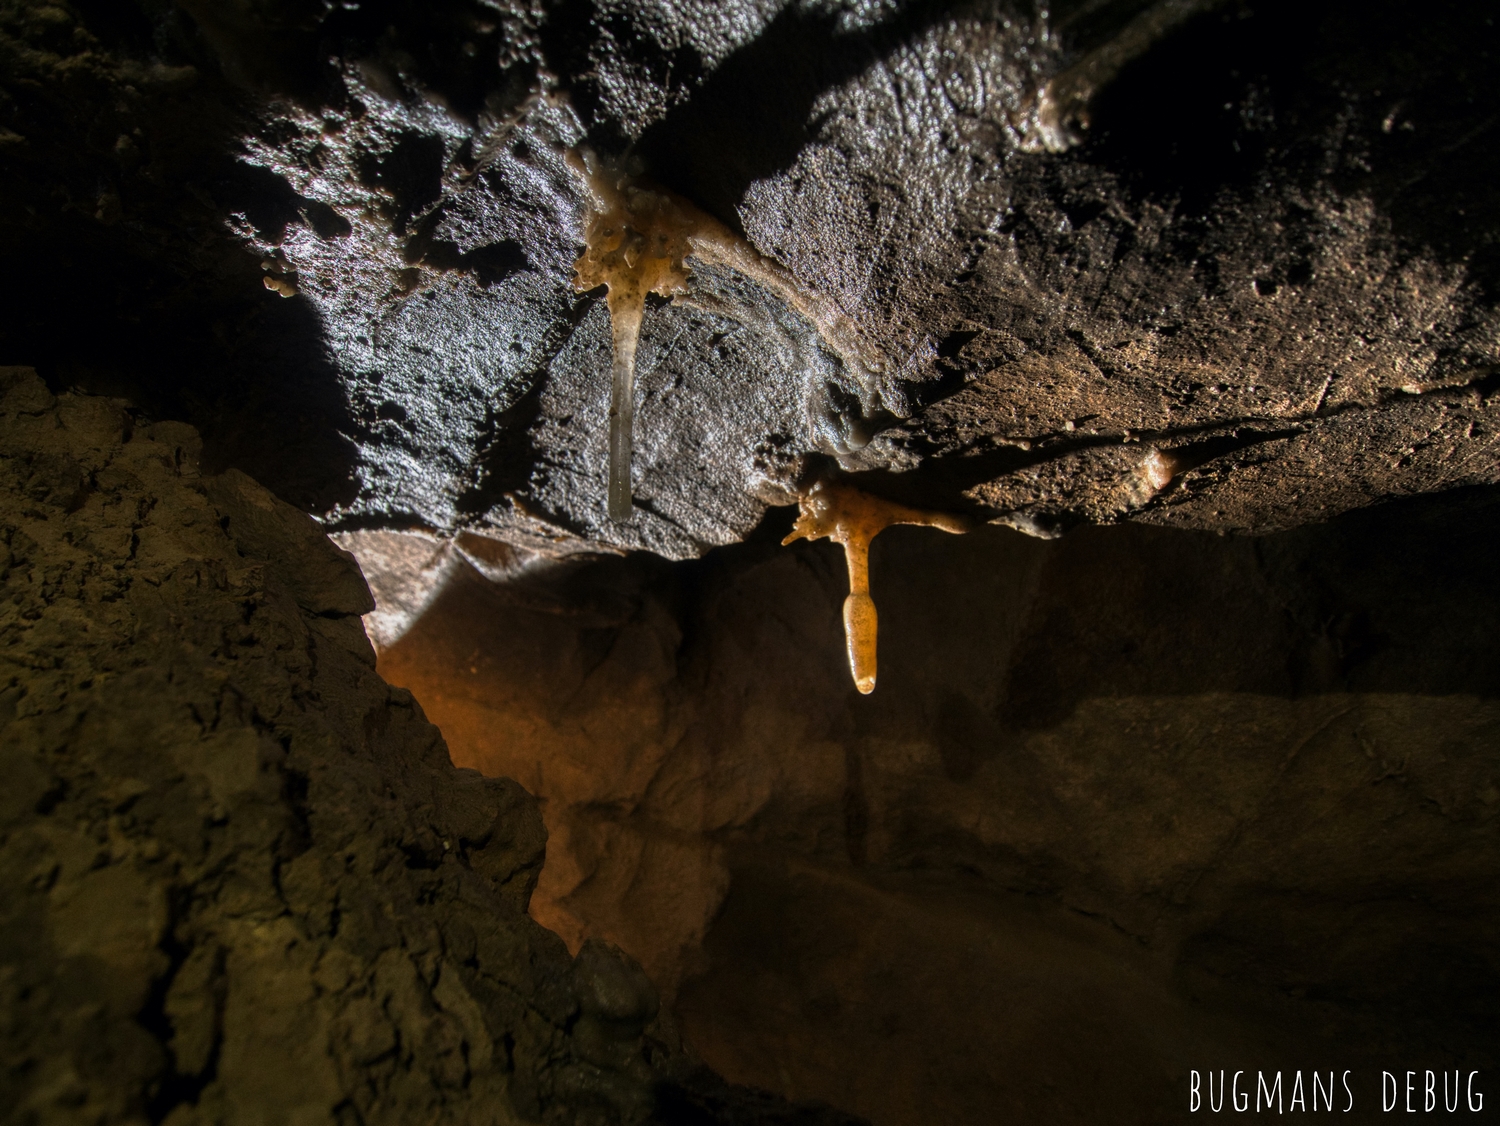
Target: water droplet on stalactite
[853, 518]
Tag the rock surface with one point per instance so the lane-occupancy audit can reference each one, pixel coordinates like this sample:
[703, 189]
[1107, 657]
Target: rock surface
[1125, 804]
[1243, 281]
[1257, 289]
[240, 879]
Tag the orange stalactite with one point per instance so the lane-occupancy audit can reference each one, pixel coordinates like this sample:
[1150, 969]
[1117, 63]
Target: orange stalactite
[853, 518]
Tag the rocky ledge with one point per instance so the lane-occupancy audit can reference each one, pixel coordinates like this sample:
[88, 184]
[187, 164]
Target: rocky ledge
[1225, 265]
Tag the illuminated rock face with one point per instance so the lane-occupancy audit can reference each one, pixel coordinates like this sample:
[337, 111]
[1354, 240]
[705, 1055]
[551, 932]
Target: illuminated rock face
[1215, 267]
[1031, 249]
[240, 880]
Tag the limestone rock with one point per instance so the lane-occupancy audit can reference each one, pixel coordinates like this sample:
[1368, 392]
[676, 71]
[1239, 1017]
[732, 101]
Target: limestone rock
[1257, 247]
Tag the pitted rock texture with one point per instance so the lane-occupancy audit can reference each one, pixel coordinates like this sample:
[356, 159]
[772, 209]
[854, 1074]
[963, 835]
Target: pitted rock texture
[1268, 267]
[242, 881]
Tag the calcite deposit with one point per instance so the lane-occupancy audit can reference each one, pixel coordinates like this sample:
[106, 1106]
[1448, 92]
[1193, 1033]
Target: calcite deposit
[852, 520]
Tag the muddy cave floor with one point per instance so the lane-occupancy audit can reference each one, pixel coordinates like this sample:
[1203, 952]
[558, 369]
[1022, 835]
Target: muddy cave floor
[1123, 804]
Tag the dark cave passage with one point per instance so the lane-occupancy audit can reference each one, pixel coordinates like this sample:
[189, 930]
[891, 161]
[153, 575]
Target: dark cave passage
[1124, 804]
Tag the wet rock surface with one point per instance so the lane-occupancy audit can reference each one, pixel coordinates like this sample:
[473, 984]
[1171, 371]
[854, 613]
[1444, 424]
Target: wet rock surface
[1124, 804]
[242, 881]
[1249, 283]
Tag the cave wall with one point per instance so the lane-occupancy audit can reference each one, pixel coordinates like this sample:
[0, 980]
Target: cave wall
[240, 880]
[1246, 284]
[1122, 804]
[1263, 249]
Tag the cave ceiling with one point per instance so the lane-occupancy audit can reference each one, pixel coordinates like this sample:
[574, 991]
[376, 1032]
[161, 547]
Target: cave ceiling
[1218, 265]
[1213, 265]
